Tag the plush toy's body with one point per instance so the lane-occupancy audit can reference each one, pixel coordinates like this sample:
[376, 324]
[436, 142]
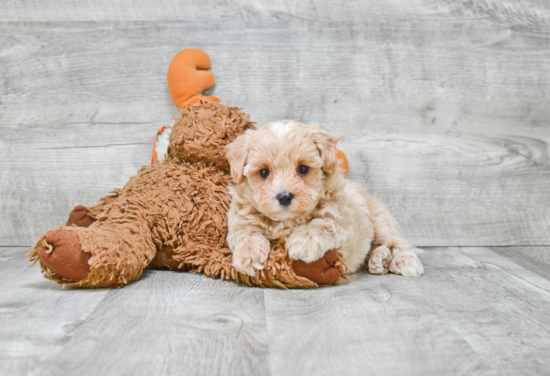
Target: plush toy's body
[172, 214]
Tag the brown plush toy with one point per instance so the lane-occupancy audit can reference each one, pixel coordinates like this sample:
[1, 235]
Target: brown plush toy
[172, 214]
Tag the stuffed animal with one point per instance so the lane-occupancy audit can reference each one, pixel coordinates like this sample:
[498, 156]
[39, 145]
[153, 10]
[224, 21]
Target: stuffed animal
[172, 214]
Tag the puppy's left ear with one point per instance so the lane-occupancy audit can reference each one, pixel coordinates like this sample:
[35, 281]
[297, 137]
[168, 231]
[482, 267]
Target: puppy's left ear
[326, 144]
[236, 153]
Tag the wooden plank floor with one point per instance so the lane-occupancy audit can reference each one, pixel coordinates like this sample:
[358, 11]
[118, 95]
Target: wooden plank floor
[475, 312]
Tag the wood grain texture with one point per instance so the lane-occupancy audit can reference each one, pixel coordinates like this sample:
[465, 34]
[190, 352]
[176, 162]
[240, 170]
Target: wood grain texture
[37, 318]
[535, 259]
[523, 12]
[171, 323]
[125, 10]
[168, 323]
[444, 119]
[474, 312]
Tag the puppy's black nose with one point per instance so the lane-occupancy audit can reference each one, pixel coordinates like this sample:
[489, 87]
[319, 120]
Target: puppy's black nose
[285, 198]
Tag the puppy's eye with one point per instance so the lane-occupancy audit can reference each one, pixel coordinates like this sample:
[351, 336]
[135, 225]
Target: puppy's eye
[264, 173]
[303, 169]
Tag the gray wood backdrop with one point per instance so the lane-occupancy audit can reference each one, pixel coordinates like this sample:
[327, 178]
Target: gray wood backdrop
[443, 105]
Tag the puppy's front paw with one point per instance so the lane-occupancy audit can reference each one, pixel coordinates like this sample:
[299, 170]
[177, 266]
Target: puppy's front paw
[249, 255]
[305, 246]
[407, 263]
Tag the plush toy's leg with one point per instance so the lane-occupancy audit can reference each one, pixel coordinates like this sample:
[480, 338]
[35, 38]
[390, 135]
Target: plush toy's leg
[321, 271]
[80, 216]
[68, 260]
[401, 257]
[64, 256]
[101, 255]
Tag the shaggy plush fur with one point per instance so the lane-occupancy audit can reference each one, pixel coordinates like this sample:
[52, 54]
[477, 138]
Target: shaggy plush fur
[170, 215]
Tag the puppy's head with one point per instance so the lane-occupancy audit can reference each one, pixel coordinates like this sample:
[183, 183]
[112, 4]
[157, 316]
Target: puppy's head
[281, 167]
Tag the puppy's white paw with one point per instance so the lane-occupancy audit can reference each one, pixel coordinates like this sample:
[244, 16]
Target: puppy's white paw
[379, 260]
[250, 255]
[305, 246]
[407, 263]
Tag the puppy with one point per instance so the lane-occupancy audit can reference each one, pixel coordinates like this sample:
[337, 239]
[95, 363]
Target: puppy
[287, 184]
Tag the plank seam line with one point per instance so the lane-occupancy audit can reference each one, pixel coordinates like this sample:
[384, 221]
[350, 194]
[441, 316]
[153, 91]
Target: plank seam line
[483, 246]
[94, 146]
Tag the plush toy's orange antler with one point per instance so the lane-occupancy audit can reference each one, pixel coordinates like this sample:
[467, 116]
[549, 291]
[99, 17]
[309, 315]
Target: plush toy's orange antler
[187, 78]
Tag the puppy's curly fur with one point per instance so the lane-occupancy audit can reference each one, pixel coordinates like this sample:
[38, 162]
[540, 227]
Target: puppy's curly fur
[287, 184]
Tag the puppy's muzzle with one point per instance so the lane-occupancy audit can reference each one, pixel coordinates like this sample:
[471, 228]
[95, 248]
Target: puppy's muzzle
[285, 198]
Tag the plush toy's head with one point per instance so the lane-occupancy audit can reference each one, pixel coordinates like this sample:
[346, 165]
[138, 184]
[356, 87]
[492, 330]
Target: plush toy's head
[203, 131]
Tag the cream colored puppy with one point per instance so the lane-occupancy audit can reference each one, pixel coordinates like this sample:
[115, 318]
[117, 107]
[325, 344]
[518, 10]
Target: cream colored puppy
[287, 184]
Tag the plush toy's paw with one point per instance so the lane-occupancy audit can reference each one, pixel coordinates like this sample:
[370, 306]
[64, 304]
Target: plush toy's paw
[187, 78]
[321, 271]
[250, 254]
[65, 256]
[407, 263]
[304, 244]
[379, 260]
[80, 217]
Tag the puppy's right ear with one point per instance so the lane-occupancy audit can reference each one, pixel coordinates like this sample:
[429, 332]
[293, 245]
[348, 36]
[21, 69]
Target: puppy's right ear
[326, 144]
[237, 152]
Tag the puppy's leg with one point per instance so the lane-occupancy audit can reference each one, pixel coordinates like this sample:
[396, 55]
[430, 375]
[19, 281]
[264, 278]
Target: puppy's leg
[310, 242]
[388, 234]
[250, 250]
